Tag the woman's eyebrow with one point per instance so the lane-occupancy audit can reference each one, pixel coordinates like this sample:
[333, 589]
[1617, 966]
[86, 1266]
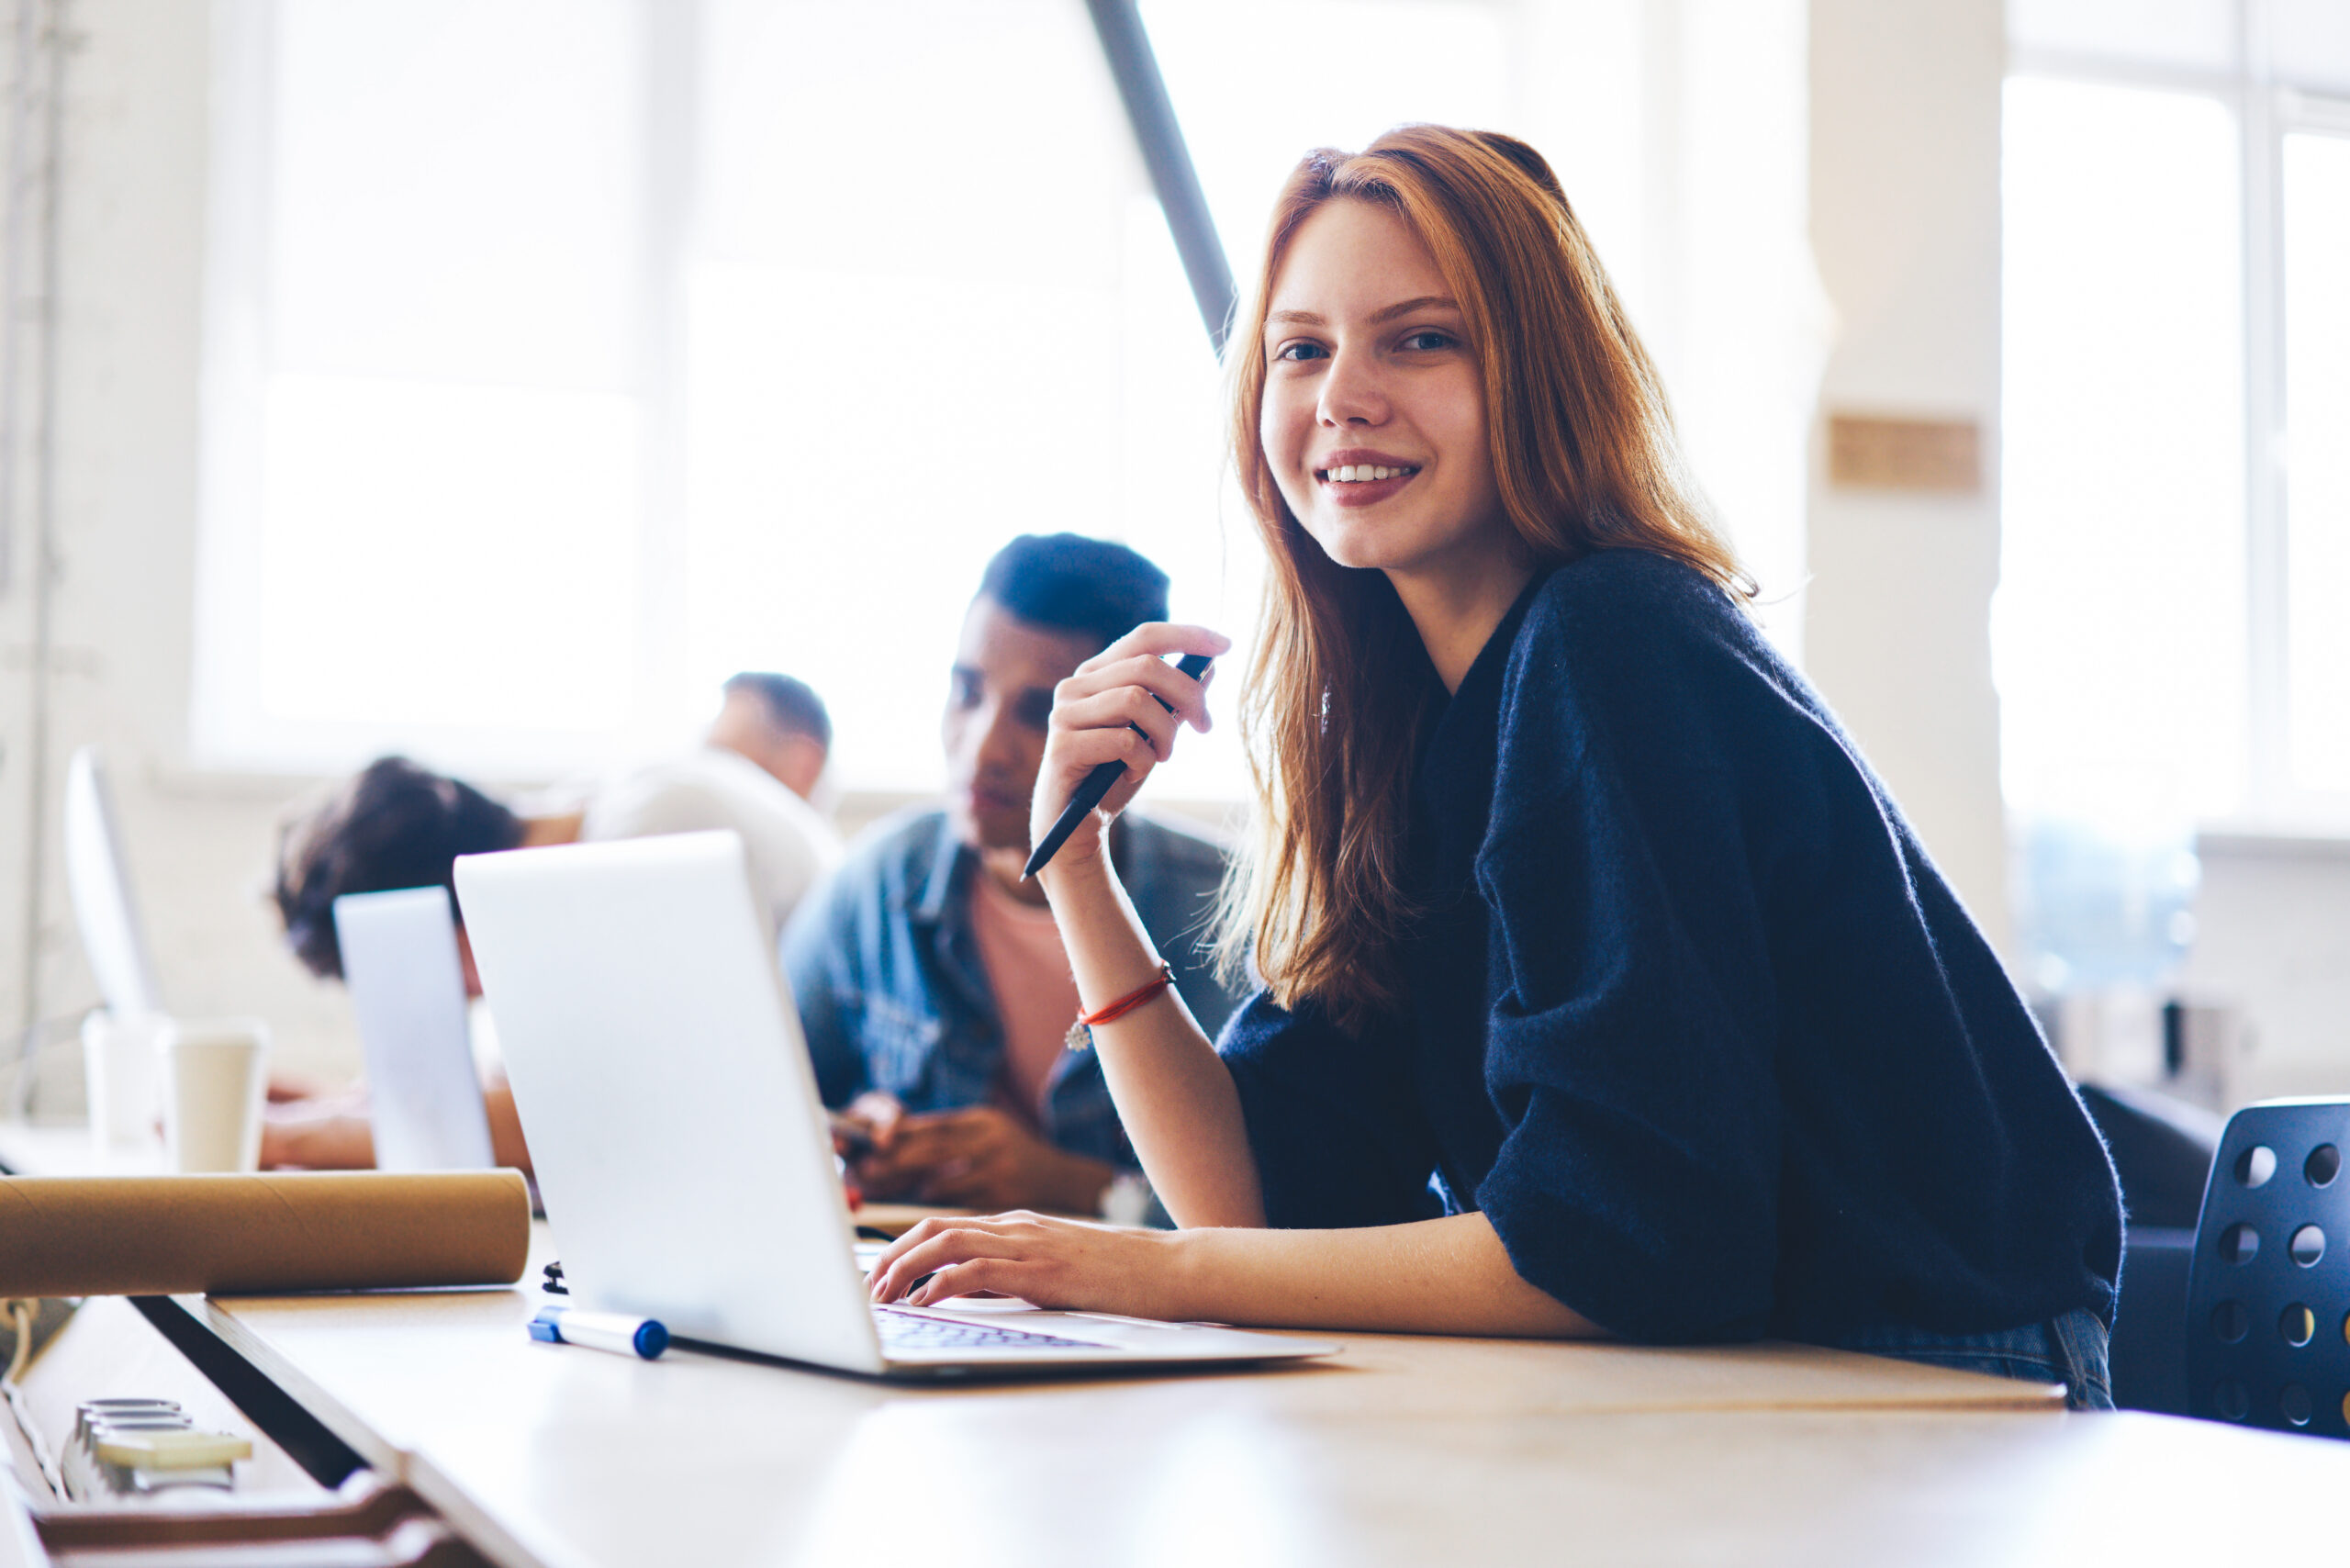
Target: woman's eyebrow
[1424, 302]
[1387, 313]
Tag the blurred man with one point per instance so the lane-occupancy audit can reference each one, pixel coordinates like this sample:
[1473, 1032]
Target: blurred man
[930, 978]
[779, 723]
[755, 772]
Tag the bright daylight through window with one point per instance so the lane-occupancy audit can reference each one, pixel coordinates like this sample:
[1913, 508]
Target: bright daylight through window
[2121, 608]
[2317, 443]
[554, 378]
[2175, 487]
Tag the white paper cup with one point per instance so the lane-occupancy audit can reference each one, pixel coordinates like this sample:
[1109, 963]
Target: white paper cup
[122, 1072]
[215, 1079]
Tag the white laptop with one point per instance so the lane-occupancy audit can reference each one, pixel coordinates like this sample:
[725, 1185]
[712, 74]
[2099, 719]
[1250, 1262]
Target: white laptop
[407, 986]
[99, 881]
[684, 1156]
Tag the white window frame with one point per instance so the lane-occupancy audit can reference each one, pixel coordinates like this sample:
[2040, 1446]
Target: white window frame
[2265, 112]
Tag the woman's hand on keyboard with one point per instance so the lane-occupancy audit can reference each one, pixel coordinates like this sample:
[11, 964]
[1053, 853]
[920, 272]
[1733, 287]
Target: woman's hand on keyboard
[1049, 1262]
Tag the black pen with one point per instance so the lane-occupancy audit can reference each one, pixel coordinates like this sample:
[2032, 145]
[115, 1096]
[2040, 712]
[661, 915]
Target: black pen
[1096, 784]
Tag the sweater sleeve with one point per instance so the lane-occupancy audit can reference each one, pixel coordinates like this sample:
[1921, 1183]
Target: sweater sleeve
[1338, 1135]
[1642, 794]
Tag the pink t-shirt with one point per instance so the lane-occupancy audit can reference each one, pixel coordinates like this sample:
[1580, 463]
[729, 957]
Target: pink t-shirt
[1036, 996]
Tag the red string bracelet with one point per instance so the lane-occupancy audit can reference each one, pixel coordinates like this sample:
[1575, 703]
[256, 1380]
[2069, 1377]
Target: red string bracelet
[1079, 1035]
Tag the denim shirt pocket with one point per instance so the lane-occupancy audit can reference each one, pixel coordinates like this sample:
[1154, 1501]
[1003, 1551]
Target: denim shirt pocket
[899, 1043]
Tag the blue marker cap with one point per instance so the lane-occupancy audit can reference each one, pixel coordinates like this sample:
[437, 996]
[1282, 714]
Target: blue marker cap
[612, 1331]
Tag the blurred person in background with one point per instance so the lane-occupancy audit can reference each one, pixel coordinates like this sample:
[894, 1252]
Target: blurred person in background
[398, 825]
[755, 772]
[778, 723]
[931, 980]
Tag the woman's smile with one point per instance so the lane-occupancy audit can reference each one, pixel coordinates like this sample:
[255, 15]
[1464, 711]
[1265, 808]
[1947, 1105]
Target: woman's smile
[1353, 477]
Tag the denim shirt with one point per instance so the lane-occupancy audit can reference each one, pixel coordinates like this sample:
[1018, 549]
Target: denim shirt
[893, 995]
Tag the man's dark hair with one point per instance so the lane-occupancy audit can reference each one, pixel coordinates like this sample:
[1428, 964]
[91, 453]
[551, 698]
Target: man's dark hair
[1070, 583]
[392, 826]
[792, 705]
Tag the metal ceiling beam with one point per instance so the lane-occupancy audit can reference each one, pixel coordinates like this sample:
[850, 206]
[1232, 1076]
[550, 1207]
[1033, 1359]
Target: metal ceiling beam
[1125, 44]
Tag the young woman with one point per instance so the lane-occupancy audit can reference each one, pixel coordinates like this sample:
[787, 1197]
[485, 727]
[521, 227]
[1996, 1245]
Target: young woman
[1605, 989]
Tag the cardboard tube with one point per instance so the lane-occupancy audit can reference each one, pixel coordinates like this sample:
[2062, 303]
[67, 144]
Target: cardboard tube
[251, 1235]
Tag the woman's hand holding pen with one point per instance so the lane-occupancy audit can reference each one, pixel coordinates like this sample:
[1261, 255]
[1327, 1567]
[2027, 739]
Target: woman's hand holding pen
[1124, 705]
[1174, 1095]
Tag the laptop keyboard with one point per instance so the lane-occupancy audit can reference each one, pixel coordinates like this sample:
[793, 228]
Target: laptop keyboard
[912, 1331]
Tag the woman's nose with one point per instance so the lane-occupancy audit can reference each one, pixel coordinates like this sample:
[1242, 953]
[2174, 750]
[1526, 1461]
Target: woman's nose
[1351, 390]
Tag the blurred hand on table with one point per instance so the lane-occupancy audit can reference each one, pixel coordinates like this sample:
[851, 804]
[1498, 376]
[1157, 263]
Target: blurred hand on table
[318, 1132]
[334, 1132]
[979, 1157]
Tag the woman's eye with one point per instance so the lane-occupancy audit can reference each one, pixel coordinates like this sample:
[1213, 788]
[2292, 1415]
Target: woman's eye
[1429, 338]
[1301, 352]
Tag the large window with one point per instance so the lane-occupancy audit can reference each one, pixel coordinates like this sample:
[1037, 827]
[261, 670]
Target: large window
[2169, 645]
[2316, 273]
[2121, 647]
[2177, 488]
[567, 355]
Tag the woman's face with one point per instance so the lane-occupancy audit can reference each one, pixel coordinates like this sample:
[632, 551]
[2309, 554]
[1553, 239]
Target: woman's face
[1374, 415]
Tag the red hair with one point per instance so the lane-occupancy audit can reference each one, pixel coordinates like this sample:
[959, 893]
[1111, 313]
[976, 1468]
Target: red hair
[1585, 458]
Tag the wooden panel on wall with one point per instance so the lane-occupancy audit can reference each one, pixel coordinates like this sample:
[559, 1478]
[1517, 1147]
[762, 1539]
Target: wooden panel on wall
[1885, 452]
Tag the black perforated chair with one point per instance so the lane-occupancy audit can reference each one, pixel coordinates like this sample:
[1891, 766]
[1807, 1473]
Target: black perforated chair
[2268, 1297]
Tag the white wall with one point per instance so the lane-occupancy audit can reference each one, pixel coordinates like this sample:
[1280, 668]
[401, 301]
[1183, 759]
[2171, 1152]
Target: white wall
[1905, 228]
[2273, 942]
[130, 240]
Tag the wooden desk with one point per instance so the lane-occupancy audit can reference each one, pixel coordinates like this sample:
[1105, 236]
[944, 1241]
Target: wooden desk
[1402, 1451]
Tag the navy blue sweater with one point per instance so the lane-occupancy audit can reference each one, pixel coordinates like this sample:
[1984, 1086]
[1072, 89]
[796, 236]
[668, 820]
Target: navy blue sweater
[1693, 1019]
